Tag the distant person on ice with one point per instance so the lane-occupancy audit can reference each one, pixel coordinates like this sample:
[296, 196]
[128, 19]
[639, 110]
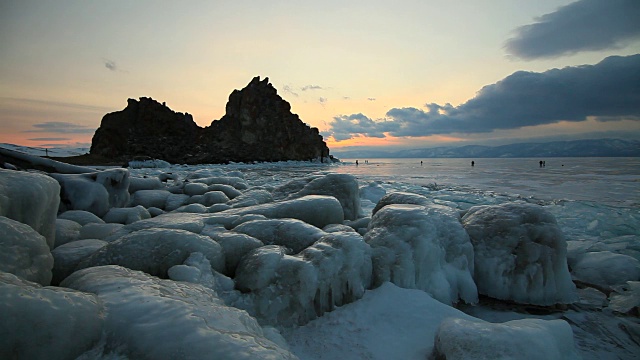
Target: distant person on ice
[473, 163]
[357, 163]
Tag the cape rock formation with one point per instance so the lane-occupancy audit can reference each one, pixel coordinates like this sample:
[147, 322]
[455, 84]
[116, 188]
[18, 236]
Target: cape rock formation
[258, 126]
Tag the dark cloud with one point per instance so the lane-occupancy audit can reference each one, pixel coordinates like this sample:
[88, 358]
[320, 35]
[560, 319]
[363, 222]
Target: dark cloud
[61, 127]
[50, 139]
[110, 64]
[584, 25]
[371, 99]
[322, 101]
[609, 90]
[311, 87]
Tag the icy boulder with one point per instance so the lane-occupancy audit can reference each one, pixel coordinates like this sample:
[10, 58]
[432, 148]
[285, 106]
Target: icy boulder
[235, 246]
[400, 198]
[46, 322]
[210, 198]
[251, 197]
[94, 192]
[31, 199]
[424, 248]
[154, 251]
[144, 183]
[316, 210]
[526, 339]
[235, 182]
[81, 217]
[606, 269]
[292, 290]
[67, 257]
[228, 190]
[126, 215]
[192, 189]
[24, 252]
[150, 198]
[626, 298]
[520, 254]
[292, 234]
[343, 187]
[147, 317]
[66, 231]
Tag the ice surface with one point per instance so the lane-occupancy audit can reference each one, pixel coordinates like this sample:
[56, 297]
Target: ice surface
[24, 252]
[126, 215]
[68, 256]
[151, 198]
[154, 251]
[151, 318]
[527, 339]
[606, 269]
[293, 234]
[46, 322]
[316, 210]
[155, 163]
[236, 182]
[520, 254]
[372, 192]
[424, 248]
[144, 183]
[626, 299]
[343, 187]
[32, 199]
[66, 231]
[400, 198]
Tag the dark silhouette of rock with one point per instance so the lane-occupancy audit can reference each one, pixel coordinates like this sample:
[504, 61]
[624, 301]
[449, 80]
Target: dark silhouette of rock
[258, 126]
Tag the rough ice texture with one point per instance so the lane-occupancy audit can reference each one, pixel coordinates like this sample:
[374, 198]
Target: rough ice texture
[66, 231]
[520, 254]
[126, 215]
[292, 290]
[67, 257]
[81, 217]
[527, 339]
[94, 192]
[292, 234]
[372, 192]
[606, 269]
[24, 252]
[626, 299]
[154, 251]
[235, 182]
[316, 210]
[152, 318]
[400, 198]
[32, 199]
[424, 248]
[46, 322]
[235, 246]
[343, 187]
[144, 183]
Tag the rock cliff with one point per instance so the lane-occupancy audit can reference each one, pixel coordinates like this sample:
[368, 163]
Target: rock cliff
[258, 126]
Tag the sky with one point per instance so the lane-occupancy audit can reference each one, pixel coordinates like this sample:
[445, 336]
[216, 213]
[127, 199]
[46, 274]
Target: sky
[401, 74]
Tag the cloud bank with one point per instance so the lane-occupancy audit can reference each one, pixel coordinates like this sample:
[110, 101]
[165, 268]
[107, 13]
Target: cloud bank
[609, 90]
[61, 127]
[584, 25]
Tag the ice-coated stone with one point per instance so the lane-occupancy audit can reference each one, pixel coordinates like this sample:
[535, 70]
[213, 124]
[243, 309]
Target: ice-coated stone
[316, 210]
[251, 197]
[66, 231]
[98, 231]
[154, 251]
[31, 199]
[24, 252]
[228, 190]
[195, 189]
[235, 246]
[372, 192]
[81, 217]
[400, 198]
[292, 234]
[527, 339]
[606, 269]
[193, 208]
[126, 215]
[343, 187]
[235, 182]
[424, 248]
[175, 201]
[94, 192]
[144, 183]
[626, 298]
[520, 254]
[68, 256]
[213, 197]
[46, 322]
[164, 319]
[150, 198]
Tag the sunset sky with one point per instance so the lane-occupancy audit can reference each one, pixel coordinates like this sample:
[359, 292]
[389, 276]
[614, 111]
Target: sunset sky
[367, 73]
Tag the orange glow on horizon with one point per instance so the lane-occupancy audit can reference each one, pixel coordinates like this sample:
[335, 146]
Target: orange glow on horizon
[391, 141]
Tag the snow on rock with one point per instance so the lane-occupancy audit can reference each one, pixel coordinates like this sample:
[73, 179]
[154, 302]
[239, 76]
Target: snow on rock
[251, 197]
[126, 215]
[94, 192]
[343, 187]
[68, 256]
[235, 246]
[144, 183]
[520, 254]
[150, 198]
[66, 231]
[98, 231]
[527, 339]
[424, 248]
[81, 217]
[316, 210]
[606, 269]
[400, 198]
[151, 318]
[46, 322]
[31, 199]
[293, 234]
[292, 290]
[389, 322]
[626, 298]
[24, 252]
[154, 251]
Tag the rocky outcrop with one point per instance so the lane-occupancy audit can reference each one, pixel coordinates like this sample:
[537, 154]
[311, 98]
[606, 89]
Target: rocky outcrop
[258, 126]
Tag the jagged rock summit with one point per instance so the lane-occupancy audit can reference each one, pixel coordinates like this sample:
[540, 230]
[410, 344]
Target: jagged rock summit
[258, 126]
